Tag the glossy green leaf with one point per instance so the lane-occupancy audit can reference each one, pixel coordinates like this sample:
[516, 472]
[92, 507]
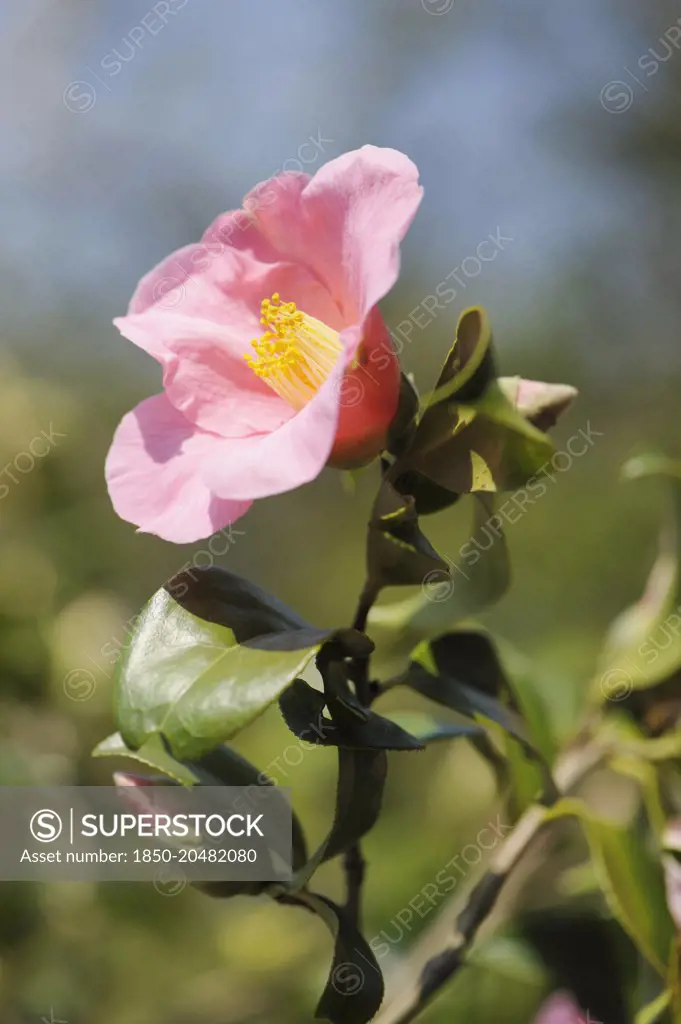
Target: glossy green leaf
[480, 577]
[254, 617]
[643, 646]
[303, 710]
[199, 680]
[398, 553]
[354, 991]
[632, 880]
[152, 754]
[226, 599]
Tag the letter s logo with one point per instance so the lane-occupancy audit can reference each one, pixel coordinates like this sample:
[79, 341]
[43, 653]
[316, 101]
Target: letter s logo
[46, 826]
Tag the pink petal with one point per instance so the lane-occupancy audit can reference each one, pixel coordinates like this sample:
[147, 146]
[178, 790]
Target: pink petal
[540, 403]
[153, 475]
[369, 394]
[560, 1009]
[224, 278]
[206, 376]
[346, 222]
[255, 467]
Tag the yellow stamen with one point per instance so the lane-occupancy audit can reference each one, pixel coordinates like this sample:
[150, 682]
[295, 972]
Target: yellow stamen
[296, 353]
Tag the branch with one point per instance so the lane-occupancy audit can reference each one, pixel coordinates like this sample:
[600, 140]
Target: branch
[361, 665]
[427, 980]
[354, 864]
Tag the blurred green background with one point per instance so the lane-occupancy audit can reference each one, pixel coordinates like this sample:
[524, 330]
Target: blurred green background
[544, 122]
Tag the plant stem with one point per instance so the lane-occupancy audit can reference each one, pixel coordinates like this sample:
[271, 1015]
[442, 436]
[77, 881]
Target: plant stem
[354, 864]
[361, 665]
[426, 981]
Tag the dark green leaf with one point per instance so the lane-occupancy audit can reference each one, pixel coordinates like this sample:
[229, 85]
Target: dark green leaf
[469, 656]
[428, 729]
[397, 552]
[359, 794]
[428, 496]
[354, 991]
[469, 366]
[462, 672]
[225, 599]
[478, 433]
[303, 711]
[403, 426]
[256, 618]
[486, 445]
[225, 767]
[480, 577]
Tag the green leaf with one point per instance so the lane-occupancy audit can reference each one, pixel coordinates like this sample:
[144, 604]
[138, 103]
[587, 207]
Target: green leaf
[428, 496]
[625, 738]
[478, 433]
[484, 445]
[254, 616]
[462, 672]
[354, 991]
[403, 427]
[653, 1011]
[429, 729]
[479, 578]
[226, 599]
[468, 369]
[153, 754]
[632, 880]
[303, 711]
[198, 681]
[469, 366]
[528, 685]
[359, 795]
[643, 646]
[398, 553]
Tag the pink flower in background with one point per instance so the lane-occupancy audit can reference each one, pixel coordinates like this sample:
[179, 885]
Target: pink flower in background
[561, 1009]
[276, 360]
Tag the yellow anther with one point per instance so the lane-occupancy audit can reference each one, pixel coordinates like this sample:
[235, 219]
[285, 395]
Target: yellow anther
[296, 353]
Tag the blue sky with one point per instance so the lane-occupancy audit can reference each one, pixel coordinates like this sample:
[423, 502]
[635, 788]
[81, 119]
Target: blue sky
[483, 98]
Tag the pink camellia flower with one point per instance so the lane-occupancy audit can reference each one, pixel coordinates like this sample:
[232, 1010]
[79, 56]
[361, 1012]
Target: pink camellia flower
[276, 360]
[561, 1009]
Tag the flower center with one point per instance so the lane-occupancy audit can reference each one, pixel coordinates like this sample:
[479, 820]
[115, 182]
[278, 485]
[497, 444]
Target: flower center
[296, 353]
